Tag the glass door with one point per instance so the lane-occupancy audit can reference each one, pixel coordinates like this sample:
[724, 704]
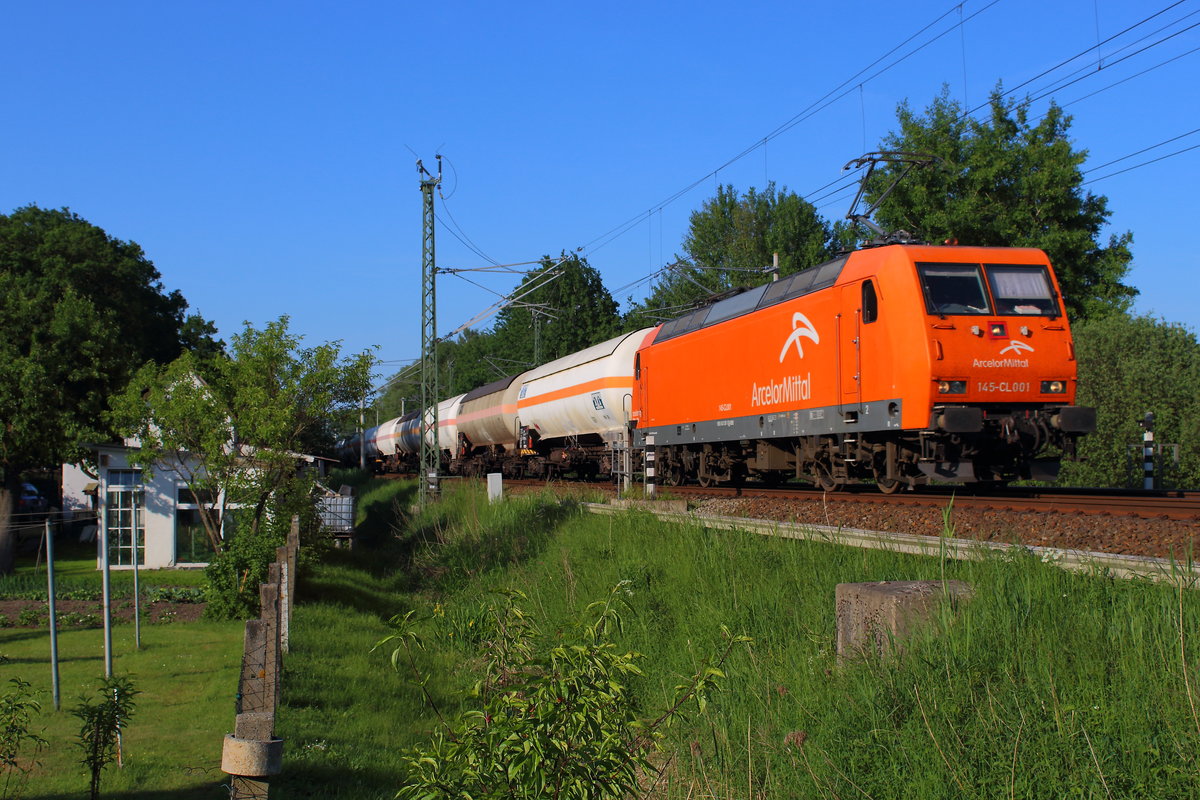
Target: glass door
[123, 517]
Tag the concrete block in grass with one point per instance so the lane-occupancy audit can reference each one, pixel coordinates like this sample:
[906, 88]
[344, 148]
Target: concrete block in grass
[877, 617]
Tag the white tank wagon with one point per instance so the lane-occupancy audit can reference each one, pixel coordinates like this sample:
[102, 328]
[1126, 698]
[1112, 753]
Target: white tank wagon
[409, 441]
[447, 438]
[573, 413]
[487, 427]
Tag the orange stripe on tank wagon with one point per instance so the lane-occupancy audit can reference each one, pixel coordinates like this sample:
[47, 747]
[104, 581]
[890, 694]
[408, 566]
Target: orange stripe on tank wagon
[578, 389]
[471, 416]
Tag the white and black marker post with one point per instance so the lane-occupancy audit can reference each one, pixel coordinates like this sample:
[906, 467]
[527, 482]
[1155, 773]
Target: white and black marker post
[1148, 451]
[650, 481]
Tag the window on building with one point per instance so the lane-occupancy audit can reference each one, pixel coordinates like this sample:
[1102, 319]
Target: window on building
[192, 545]
[124, 503]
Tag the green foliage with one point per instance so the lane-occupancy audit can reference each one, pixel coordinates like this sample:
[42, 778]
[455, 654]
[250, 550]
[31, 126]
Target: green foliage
[17, 710]
[551, 719]
[731, 241]
[235, 573]
[231, 429]
[1128, 366]
[1007, 182]
[79, 310]
[581, 313]
[101, 721]
[574, 311]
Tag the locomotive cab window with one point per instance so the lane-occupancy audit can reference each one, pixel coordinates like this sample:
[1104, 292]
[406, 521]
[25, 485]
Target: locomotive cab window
[870, 303]
[1022, 290]
[953, 289]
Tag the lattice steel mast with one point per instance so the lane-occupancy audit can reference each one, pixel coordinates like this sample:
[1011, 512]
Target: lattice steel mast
[429, 364]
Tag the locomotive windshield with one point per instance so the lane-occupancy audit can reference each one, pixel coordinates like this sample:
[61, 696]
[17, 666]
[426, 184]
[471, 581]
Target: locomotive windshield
[1022, 290]
[962, 289]
[953, 289]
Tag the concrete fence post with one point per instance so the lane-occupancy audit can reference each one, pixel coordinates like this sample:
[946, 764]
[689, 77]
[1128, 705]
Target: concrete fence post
[254, 730]
[269, 597]
[252, 752]
[285, 595]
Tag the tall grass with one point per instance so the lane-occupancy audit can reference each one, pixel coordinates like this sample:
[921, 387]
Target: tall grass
[1045, 684]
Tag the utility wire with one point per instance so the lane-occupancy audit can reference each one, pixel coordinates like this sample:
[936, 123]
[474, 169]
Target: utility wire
[813, 108]
[1080, 54]
[1143, 150]
[1143, 164]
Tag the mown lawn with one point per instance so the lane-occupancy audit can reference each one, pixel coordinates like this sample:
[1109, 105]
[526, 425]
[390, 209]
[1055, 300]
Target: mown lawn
[187, 674]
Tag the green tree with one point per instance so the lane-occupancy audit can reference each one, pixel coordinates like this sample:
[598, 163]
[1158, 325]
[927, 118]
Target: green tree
[79, 311]
[572, 311]
[231, 428]
[1128, 366]
[1007, 182]
[731, 241]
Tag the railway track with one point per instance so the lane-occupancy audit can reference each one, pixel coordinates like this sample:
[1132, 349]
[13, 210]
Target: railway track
[1161, 505]
[1147, 505]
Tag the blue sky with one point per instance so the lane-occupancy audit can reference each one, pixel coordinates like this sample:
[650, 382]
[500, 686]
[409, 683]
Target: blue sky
[263, 153]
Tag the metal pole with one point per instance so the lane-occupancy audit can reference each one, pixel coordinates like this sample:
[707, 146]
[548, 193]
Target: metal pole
[53, 618]
[106, 592]
[430, 453]
[362, 436]
[137, 606]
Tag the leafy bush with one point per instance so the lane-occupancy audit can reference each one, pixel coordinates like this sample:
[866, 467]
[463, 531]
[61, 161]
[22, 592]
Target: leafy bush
[1128, 366]
[552, 720]
[17, 708]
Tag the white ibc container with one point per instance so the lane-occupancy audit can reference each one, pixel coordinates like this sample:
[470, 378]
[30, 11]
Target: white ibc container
[588, 392]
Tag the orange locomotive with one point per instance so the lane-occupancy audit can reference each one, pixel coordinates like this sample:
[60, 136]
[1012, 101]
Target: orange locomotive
[899, 363]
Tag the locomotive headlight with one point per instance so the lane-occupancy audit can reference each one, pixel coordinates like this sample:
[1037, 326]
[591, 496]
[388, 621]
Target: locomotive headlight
[998, 330]
[952, 387]
[1054, 387]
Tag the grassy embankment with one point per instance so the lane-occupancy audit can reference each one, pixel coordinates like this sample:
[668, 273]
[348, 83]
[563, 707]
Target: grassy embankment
[1046, 684]
[187, 674]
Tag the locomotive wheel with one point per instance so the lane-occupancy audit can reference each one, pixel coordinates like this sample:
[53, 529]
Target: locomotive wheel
[824, 480]
[888, 487]
[705, 481]
[673, 475]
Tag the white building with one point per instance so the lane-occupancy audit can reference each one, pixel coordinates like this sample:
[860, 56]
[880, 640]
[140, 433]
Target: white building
[159, 508]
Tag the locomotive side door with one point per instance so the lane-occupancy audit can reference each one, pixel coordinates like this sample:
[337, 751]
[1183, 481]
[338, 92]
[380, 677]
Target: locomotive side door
[850, 351]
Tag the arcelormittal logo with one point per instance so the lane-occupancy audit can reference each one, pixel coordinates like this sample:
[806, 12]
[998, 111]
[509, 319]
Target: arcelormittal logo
[1016, 347]
[802, 328]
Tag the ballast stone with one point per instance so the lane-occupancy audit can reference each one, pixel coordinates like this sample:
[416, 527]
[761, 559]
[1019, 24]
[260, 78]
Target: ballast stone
[876, 617]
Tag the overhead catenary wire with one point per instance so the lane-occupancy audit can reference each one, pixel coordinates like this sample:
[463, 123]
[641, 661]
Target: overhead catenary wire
[855, 82]
[813, 108]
